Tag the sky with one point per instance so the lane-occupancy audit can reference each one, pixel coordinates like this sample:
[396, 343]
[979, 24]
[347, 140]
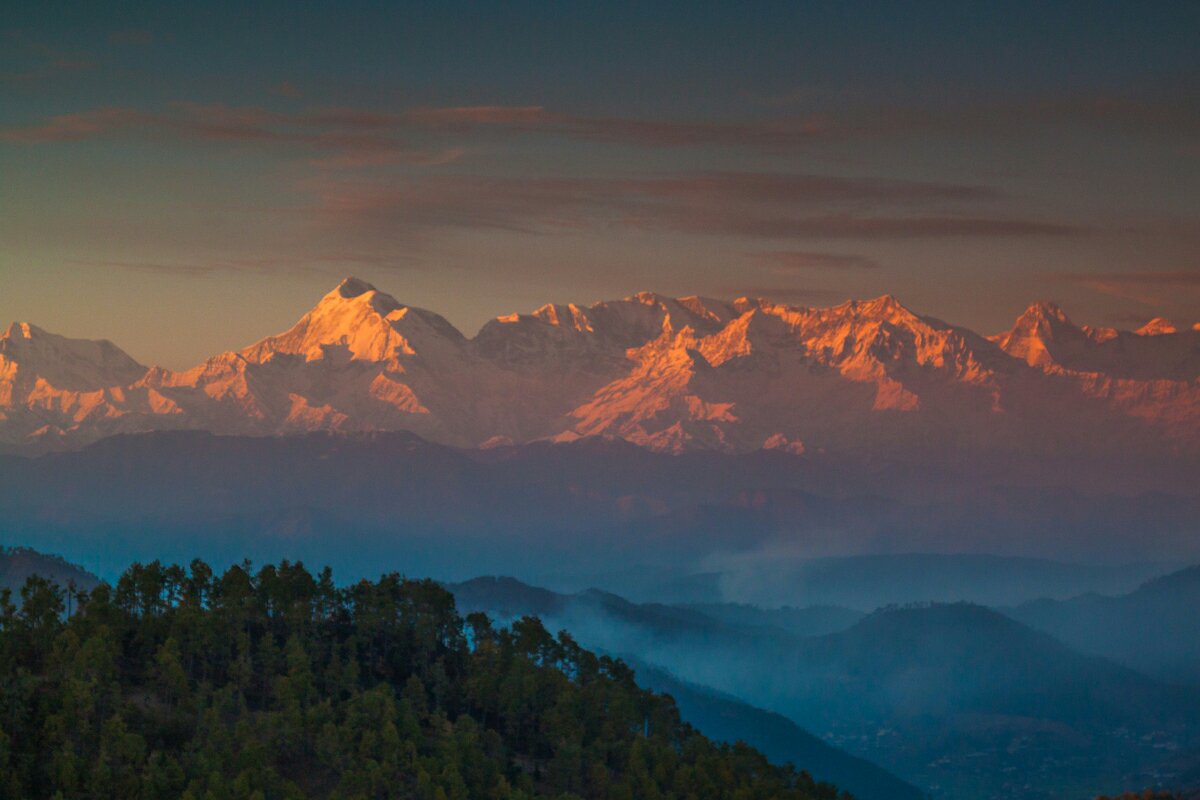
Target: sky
[185, 178]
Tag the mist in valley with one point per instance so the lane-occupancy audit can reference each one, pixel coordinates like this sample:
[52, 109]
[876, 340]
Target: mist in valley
[956, 697]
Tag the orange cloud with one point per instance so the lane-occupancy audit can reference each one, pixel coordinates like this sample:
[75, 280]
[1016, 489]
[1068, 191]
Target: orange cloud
[1147, 288]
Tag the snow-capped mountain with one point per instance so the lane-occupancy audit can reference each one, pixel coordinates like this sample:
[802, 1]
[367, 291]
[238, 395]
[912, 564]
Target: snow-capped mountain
[49, 383]
[1151, 375]
[669, 374]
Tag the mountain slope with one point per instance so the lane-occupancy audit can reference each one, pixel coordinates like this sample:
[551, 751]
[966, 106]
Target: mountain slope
[18, 563]
[724, 718]
[638, 631]
[1154, 628]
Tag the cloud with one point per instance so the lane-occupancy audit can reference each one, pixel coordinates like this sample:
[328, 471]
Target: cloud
[44, 62]
[385, 128]
[1147, 288]
[199, 120]
[802, 260]
[1175, 278]
[803, 188]
[468, 116]
[774, 134]
[1155, 113]
[193, 120]
[1165, 111]
[77, 126]
[301, 263]
[740, 204]
[351, 118]
[1132, 320]
[170, 268]
[386, 156]
[845, 226]
[341, 140]
[355, 189]
[1167, 108]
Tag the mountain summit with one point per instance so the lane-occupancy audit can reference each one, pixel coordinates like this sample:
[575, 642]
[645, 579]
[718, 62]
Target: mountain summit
[670, 374]
[359, 321]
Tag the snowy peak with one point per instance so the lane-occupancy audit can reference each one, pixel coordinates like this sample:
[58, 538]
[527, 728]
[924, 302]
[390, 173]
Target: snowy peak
[358, 322]
[1043, 319]
[570, 315]
[19, 330]
[1047, 311]
[714, 311]
[29, 354]
[1048, 322]
[1157, 327]
[28, 332]
[645, 313]
[880, 310]
[1043, 336]
[604, 330]
[885, 308]
[353, 287]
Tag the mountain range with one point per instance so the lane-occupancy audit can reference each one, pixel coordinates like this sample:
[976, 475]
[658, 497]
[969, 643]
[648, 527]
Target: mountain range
[694, 526]
[671, 375]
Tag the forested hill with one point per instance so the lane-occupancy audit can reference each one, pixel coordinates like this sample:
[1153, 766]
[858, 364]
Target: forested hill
[18, 563]
[183, 683]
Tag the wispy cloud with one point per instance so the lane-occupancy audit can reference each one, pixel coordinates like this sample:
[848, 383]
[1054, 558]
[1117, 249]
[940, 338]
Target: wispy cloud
[76, 126]
[1168, 111]
[804, 188]
[806, 260]
[350, 196]
[302, 263]
[1129, 320]
[340, 139]
[385, 128]
[771, 134]
[42, 62]
[768, 224]
[194, 120]
[1165, 109]
[1147, 288]
[752, 205]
